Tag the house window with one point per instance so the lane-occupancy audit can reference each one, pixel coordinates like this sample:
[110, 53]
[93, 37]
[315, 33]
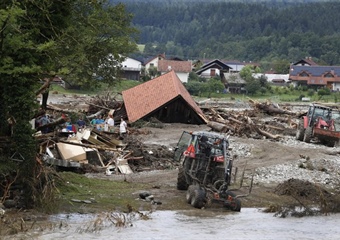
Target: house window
[312, 81]
[152, 64]
[329, 75]
[212, 72]
[303, 74]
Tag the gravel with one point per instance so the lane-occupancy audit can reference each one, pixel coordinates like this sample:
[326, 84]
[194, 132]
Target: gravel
[323, 170]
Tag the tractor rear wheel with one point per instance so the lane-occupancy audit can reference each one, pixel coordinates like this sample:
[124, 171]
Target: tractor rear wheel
[308, 134]
[198, 198]
[190, 193]
[300, 132]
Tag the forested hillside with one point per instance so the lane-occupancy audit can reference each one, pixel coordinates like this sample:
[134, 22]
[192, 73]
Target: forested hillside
[241, 30]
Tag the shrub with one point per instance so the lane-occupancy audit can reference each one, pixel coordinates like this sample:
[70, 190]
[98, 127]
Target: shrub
[310, 92]
[324, 91]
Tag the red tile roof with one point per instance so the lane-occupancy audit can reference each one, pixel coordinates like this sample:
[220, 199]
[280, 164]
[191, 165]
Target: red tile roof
[143, 99]
[177, 66]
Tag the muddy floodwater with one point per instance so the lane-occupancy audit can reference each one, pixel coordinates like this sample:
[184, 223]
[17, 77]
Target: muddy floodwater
[250, 223]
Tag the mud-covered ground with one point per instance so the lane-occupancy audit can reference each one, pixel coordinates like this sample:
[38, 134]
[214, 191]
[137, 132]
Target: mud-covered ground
[286, 173]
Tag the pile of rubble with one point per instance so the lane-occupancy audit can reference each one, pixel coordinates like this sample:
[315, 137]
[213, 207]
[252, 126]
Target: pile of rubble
[92, 148]
[266, 119]
[105, 151]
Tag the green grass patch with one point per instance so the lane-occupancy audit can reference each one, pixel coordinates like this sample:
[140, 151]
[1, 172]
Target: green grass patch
[104, 194]
[126, 84]
[141, 47]
[117, 88]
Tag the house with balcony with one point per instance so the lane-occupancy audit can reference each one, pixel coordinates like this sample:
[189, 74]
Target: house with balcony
[316, 76]
[131, 69]
[215, 67]
[307, 73]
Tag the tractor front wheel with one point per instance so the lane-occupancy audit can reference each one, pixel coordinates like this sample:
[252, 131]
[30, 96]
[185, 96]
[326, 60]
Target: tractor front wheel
[182, 183]
[308, 135]
[181, 179]
[300, 132]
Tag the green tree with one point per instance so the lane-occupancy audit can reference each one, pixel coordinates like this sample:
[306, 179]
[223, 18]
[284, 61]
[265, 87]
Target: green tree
[194, 88]
[247, 72]
[281, 66]
[324, 91]
[94, 44]
[152, 72]
[263, 80]
[214, 85]
[252, 86]
[38, 40]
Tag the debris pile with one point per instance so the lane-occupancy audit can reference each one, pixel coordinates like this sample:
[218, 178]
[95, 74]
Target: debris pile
[310, 199]
[266, 120]
[92, 148]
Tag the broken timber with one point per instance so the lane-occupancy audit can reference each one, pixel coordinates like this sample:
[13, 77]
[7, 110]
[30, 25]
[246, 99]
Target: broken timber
[99, 147]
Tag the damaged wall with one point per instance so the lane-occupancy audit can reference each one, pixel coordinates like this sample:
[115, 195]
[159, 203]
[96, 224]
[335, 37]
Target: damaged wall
[176, 111]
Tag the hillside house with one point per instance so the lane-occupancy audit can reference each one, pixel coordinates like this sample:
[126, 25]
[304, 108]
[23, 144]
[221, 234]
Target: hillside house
[215, 67]
[308, 61]
[131, 69]
[153, 62]
[181, 68]
[308, 73]
[316, 76]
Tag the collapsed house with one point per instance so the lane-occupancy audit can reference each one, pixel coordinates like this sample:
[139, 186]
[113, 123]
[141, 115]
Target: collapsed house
[164, 98]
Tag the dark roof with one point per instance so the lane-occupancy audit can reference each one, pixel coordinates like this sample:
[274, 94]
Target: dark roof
[176, 59]
[143, 99]
[315, 70]
[306, 61]
[213, 64]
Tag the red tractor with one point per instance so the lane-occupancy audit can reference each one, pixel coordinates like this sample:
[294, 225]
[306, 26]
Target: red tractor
[322, 123]
[205, 169]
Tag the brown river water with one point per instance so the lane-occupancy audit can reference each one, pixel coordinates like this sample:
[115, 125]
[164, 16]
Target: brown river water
[250, 223]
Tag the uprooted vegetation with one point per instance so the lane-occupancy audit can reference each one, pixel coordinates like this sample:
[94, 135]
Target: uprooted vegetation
[308, 199]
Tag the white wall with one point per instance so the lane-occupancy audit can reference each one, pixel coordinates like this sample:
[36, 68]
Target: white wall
[131, 64]
[206, 73]
[336, 87]
[270, 77]
[183, 76]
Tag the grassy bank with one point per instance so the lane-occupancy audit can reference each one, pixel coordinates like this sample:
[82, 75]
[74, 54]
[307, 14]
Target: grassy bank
[104, 88]
[78, 193]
